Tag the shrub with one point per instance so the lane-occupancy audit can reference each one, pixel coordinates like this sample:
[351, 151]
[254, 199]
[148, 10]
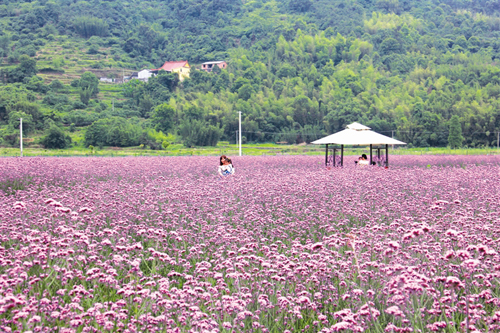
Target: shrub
[56, 138]
[53, 99]
[113, 131]
[93, 49]
[80, 118]
[56, 85]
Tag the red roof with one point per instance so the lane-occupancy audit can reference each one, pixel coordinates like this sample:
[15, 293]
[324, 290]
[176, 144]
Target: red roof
[170, 65]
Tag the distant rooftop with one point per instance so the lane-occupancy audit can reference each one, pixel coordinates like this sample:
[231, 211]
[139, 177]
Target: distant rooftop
[212, 62]
[170, 65]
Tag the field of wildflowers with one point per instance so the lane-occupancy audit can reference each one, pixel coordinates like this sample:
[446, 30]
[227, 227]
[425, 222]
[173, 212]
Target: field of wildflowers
[162, 244]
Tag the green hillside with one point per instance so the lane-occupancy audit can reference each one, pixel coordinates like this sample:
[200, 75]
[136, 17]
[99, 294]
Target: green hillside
[297, 70]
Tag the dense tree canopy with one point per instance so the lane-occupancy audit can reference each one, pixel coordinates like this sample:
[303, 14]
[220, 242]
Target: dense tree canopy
[297, 69]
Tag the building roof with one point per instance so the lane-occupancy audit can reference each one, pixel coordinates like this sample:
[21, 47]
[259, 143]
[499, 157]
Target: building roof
[171, 65]
[212, 62]
[358, 127]
[357, 135]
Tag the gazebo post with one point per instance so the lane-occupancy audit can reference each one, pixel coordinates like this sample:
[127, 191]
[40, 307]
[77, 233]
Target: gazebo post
[371, 146]
[378, 156]
[334, 156]
[326, 155]
[387, 155]
[342, 155]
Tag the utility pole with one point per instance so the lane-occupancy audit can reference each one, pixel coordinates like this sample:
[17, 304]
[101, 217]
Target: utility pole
[21, 135]
[239, 132]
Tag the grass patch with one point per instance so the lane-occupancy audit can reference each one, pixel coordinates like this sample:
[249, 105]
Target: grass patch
[267, 149]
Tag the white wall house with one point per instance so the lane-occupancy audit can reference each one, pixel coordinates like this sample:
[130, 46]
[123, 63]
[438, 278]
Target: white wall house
[144, 75]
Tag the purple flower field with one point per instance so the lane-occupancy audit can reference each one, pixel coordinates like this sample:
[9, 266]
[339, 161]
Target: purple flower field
[159, 244]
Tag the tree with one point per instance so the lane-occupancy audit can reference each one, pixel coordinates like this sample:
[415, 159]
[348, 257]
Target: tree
[199, 133]
[55, 138]
[163, 117]
[28, 108]
[245, 92]
[113, 131]
[36, 84]
[85, 94]
[145, 105]
[286, 70]
[390, 45]
[168, 80]
[88, 81]
[27, 66]
[300, 6]
[474, 44]
[25, 70]
[300, 107]
[122, 133]
[461, 41]
[28, 124]
[96, 133]
[455, 137]
[87, 26]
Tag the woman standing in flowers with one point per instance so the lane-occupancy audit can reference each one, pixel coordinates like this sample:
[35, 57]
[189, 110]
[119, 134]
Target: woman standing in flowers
[226, 166]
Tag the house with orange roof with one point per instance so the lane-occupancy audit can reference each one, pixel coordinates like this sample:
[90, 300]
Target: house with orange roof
[182, 68]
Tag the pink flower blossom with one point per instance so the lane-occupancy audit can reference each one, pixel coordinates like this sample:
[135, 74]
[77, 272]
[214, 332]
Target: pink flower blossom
[395, 311]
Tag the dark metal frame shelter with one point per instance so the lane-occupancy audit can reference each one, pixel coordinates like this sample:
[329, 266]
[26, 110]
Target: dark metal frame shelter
[357, 135]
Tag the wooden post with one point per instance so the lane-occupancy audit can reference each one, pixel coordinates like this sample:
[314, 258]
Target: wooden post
[342, 155]
[387, 155]
[334, 156]
[378, 155]
[326, 156]
[371, 147]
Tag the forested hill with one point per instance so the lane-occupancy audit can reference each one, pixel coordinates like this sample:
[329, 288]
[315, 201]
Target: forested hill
[297, 69]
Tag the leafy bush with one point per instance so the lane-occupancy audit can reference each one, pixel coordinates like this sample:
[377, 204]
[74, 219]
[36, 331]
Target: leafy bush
[10, 135]
[36, 84]
[89, 82]
[24, 71]
[56, 85]
[55, 138]
[80, 118]
[51, 70]
[93, 49]
[54, 99]
[113, 131]
[78, 105]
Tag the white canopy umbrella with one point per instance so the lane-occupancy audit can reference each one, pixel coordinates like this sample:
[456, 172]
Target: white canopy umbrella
[357, 135]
